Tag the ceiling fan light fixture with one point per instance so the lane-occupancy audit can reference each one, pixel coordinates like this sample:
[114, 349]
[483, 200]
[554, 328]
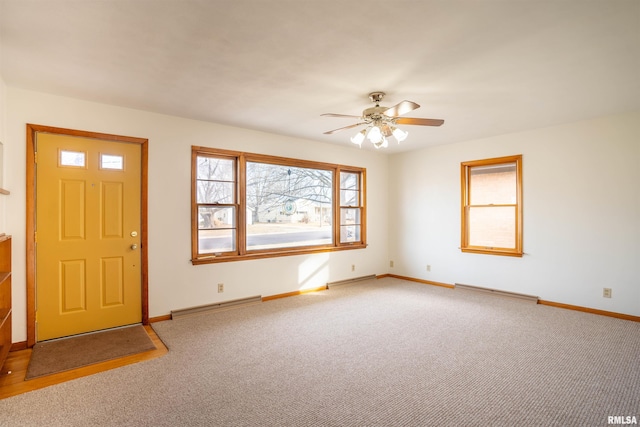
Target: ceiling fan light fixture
[359, 137]
[375, 135]
[399, 134]
[380, 122]
[378, 134]
[383, 143]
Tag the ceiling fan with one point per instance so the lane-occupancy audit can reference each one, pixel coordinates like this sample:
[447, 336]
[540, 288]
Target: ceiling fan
[381, 122]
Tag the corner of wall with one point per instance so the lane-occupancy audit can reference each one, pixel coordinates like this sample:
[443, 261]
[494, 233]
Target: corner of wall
[3, 138]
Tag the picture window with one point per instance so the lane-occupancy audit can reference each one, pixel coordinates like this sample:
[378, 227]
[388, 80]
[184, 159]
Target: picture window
[248, 206]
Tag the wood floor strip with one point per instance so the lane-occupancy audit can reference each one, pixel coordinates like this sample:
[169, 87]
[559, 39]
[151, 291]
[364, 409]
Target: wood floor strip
[14, 370]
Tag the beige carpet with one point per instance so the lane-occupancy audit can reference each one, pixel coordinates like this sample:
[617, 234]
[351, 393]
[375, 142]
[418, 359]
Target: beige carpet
[380, 353]
[51, 357]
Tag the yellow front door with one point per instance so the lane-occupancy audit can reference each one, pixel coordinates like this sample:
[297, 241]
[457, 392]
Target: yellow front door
[88, 219]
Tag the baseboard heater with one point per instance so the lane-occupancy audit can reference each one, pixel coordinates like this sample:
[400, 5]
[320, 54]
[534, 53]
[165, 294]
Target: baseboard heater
[531, 298]
[350, 281]
[218, 306]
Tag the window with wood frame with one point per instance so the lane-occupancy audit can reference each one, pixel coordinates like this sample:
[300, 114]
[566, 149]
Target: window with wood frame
[492, 206]
[351, 208]
[247, 206]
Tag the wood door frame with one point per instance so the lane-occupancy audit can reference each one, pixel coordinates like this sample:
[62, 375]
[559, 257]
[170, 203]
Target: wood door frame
[32, 130]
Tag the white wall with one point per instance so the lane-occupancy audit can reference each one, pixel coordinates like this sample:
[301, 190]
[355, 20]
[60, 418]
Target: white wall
[581, 209]
[173, 282]
[3, 139]
[581, 214]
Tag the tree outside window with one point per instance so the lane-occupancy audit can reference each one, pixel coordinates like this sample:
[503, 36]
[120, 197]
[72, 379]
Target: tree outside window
[254, 206]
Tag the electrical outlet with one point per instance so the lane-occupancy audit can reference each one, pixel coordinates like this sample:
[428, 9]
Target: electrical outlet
[353, 267]
[391, 264]
[428, 267]
[606, 292]
[220, 287]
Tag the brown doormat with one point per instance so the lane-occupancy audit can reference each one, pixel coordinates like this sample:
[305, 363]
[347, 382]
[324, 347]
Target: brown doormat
[51, 357]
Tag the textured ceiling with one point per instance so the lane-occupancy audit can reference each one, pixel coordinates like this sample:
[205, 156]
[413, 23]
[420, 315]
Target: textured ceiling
[485, 67]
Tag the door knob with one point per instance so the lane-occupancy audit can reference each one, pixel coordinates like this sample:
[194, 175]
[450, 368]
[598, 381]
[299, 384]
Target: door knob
[134, 246]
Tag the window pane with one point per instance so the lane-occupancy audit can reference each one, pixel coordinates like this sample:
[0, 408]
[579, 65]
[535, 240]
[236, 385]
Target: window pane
[349, 225]
[72, 158]
[349, 216]
[216, 169]
[214, 241]
[349, 189]
[492, 227]
[287, 206]
[108, 161]
[495, 184]
[211, 217]
[349, 233]
[349, 198]
[215, 192]
[269, 236]
[349, 181]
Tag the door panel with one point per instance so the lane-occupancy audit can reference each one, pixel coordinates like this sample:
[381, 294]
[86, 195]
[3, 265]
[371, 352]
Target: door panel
[72, 204]
[88, 219]
[112, 204]
[72, 286]
[112, 281]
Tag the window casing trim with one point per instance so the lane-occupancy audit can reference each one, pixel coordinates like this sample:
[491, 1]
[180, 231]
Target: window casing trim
[241, 252]
[465, 168]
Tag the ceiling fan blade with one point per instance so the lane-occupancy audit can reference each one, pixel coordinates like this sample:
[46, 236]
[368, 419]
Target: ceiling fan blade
[343, 128]
[340, 115]
[401, 108]
[419, 122]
